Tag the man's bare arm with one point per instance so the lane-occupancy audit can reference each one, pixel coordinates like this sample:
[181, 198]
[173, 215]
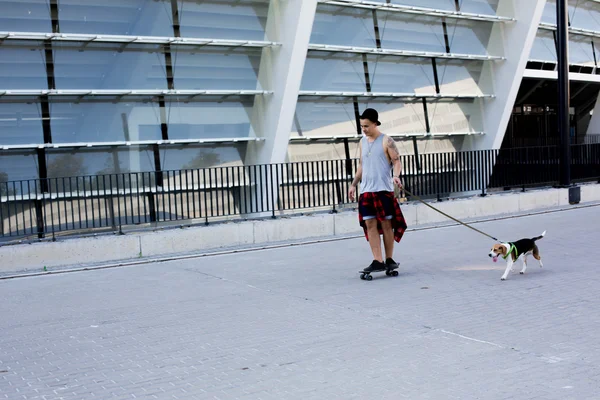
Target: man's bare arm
[358, 175]
[394, 156]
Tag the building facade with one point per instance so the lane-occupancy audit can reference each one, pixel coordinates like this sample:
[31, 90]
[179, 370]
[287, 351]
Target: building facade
[116, 86]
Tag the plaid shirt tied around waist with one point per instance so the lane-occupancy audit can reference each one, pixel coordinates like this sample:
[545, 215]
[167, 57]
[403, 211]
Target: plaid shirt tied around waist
[373, 200]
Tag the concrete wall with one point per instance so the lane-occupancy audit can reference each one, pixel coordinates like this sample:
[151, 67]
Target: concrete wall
[103, 249]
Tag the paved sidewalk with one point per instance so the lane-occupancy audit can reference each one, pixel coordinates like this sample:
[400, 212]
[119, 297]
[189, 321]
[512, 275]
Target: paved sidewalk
[298, 323]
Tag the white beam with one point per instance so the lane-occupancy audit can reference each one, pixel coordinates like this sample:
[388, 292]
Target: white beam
[572, 30]
[514, 41]
[423, 135]
[87, 38]
[313, 93]
[553, 75]
[281, 68]
[588, 64]
[128, 143]
[127, 92]
[377, 5]
[403, 53]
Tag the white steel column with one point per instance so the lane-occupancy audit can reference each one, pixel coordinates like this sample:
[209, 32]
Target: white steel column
[290, 23]
[513, 40]
[594, 126]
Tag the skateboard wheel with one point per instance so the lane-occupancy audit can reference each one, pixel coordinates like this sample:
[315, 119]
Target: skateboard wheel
[388, 273]
[369, 277]
[362, 276]
[394, 273]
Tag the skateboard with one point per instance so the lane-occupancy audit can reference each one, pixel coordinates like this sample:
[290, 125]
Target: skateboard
[390, 271]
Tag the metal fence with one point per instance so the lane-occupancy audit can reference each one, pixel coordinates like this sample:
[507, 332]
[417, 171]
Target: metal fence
[50, 206]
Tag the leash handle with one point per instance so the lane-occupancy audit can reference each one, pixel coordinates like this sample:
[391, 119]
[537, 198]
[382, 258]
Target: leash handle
[448, 216]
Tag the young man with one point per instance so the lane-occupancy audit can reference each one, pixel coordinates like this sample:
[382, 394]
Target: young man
[378, 210]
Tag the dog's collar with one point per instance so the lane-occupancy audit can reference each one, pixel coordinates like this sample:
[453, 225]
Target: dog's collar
[510, 249]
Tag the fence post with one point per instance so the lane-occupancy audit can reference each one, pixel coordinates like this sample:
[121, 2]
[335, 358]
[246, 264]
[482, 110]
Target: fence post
[483, 170]
[151, 206]
[521, 161]
[273, 184]
[206, 187]
[111, 206]
[50, 189]
[39, 218]
[330, 175]
[436, 173]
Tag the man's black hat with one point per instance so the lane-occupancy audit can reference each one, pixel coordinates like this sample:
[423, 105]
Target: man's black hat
[372, 115]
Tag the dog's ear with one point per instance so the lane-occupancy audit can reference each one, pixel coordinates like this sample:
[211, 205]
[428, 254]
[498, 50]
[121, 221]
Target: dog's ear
[500, 249]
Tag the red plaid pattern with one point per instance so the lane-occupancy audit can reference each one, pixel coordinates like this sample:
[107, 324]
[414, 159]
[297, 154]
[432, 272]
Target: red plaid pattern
[373, 200]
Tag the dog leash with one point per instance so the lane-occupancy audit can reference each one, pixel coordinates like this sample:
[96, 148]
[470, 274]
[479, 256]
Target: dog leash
[448, 216]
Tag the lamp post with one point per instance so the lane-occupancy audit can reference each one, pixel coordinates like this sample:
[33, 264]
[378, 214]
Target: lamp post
[562, 50]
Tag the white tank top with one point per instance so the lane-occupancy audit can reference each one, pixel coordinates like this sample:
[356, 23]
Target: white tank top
[376, 168]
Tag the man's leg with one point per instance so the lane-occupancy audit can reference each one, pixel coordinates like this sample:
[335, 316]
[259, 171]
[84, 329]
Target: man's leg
[374, 239]
[388, 238]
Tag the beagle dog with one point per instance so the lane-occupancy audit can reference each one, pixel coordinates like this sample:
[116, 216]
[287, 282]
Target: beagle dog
[511, 251]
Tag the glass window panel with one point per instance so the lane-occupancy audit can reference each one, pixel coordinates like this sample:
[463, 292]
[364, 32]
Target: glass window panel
[105, 66]
[459, 76]
[399, 116]
[117, 17]
[543, 48]
[334, 72]
[224, 19]
[197, 120]
[448, 116]
[400, 31]
[401, 74]
[488, 7]
[431, 145]
[77, 162]
[469, 37]
[549, 13]
[580, 50]
[585, 15]
[437, 4]
[319, 151]
[343, 26]
[325, 118]
[192, 157]
[18, 165]
[104, 121]
[216, 69]
[25, 16]
[22, 66]
[21, 123]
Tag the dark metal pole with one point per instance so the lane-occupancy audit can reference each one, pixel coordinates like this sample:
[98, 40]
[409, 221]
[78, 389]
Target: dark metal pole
[562, 31]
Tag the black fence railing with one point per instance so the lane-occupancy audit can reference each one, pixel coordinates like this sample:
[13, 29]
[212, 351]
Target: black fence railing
[50, 206]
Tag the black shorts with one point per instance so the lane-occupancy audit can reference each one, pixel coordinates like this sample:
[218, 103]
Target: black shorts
[376, 205]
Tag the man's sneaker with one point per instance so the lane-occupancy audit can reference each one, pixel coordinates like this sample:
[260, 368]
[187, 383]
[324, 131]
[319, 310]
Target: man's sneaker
[389, 262]
[375, 266]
